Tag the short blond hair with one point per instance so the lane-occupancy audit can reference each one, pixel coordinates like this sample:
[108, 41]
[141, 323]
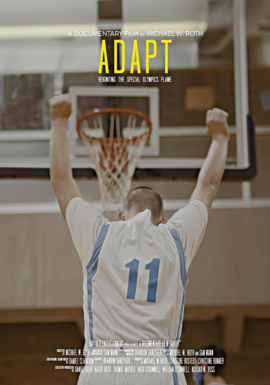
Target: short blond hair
[142, 198]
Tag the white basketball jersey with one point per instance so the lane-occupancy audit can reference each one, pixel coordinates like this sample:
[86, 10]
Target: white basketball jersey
[134, 283]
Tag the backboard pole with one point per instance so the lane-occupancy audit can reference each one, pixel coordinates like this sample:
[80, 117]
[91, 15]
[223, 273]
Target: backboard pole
[241, 81]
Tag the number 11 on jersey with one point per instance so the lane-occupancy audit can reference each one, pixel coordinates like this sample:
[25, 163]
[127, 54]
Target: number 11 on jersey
[133, 267]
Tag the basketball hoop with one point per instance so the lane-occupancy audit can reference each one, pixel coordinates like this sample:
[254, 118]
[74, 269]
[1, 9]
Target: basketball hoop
[114, 149]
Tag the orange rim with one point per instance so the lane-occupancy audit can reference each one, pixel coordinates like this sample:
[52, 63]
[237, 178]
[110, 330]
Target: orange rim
[100, 111]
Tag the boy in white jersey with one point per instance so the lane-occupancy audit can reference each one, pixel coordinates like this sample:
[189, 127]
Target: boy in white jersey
[135, 270]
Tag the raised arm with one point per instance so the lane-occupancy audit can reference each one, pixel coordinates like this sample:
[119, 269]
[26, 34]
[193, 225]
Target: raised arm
[213, 168]
[62, 180]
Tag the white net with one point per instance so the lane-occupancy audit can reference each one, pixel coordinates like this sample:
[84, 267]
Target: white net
[114, 152]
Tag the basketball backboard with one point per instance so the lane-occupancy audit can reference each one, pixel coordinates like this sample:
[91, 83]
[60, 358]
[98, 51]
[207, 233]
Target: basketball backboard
[171, 151]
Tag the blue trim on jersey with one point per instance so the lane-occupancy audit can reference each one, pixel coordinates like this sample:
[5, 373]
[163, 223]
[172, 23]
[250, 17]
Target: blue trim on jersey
[179, 330]
[174, 374]
[91, 271]
[183, 274]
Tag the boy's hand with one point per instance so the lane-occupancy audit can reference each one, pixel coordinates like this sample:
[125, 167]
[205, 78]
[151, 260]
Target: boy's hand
[216, 121]
[60, 107]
